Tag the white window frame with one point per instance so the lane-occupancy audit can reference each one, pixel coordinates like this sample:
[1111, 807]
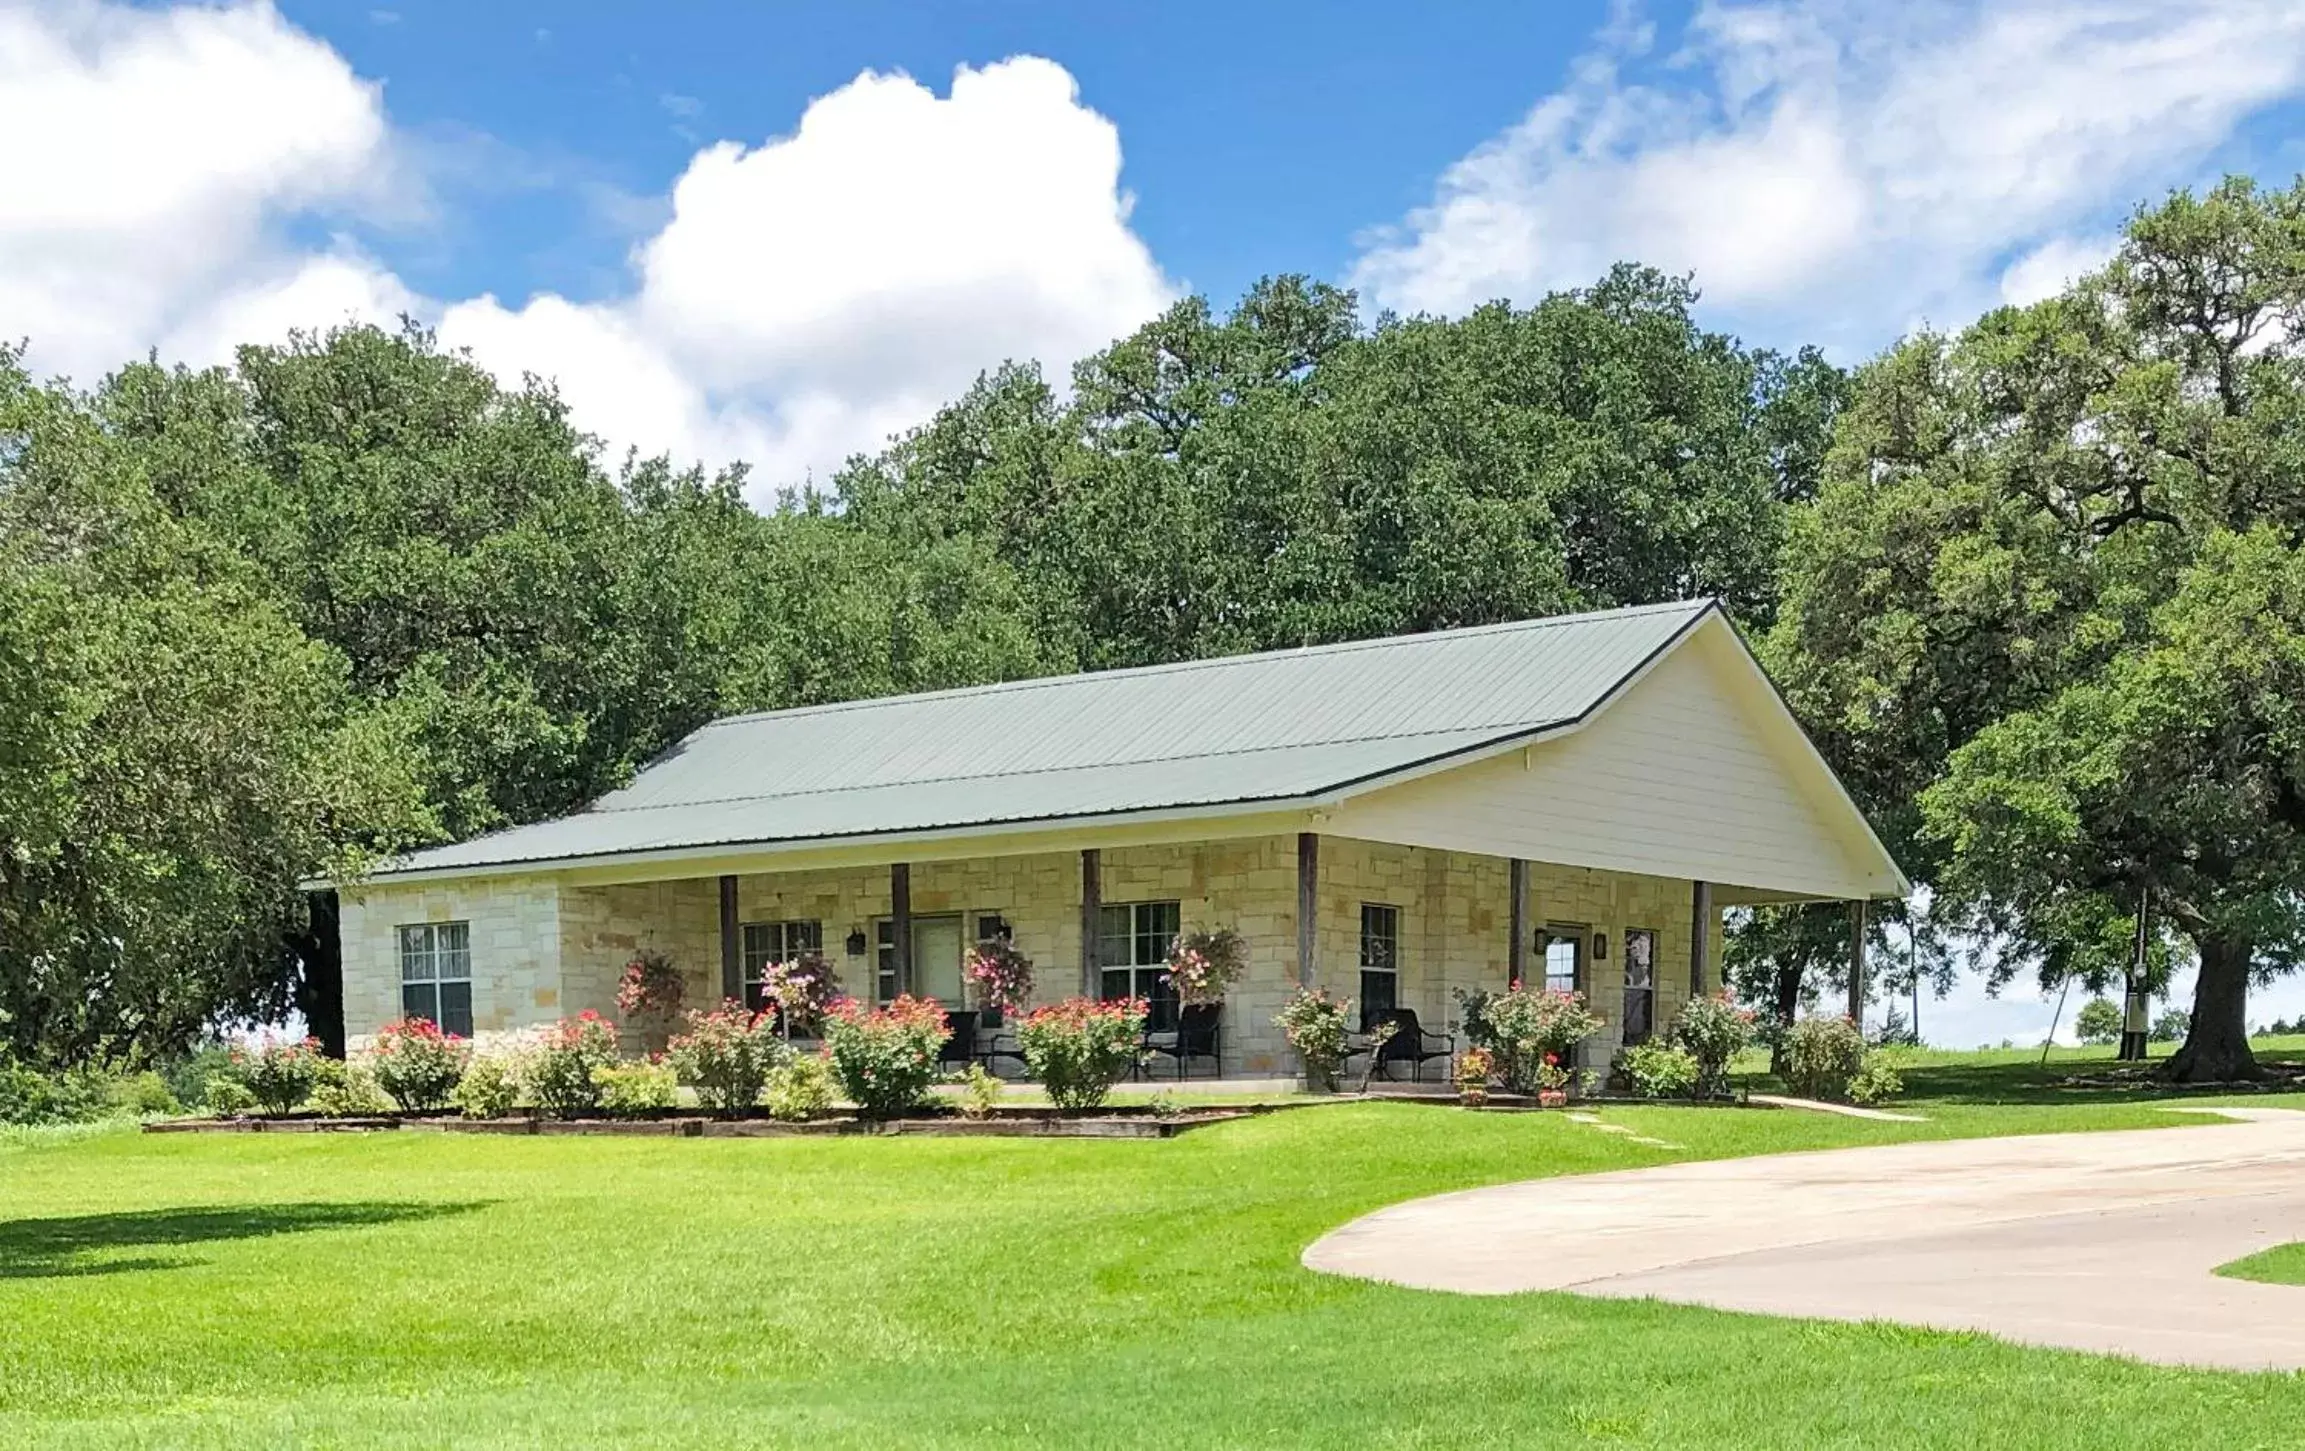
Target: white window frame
[434, 955]
[1390, 953]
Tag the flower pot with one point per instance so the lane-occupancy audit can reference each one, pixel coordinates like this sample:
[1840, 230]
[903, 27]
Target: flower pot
[1552, 1098]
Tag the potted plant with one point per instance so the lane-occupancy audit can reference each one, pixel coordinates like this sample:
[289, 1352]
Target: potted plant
[999, 977]
[649, 996]
[1552, 1083]
[1474, 1066]
[802, 991]
[1314, 1020]
[1204, 965]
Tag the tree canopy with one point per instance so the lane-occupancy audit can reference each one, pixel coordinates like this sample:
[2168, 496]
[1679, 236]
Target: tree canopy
[2044, 609]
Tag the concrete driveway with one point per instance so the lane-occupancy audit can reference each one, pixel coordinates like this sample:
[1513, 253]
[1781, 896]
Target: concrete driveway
[2092, 1241]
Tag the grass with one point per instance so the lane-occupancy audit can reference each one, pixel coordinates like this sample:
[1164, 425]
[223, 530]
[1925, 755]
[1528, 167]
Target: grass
[2284, 1264]
[446, 1290]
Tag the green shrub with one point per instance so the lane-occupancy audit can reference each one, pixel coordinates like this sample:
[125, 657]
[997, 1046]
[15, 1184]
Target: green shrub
[1714, 1030]
[1822, 1057]
[1876, 1080]
[1081, 1047]
[1530, 1031]
[727, 1055]
[635, 1090]
[418, 1065]
[801, 1090]
[280, 1074]
[2099, 1021]
[226, 1097]
[1313, 1019]
[885, 1058]
[1659, 1070]
[188, 1077]
[348, 1090]
[560, 1067]
[148, 1095]
[980, 1092]
[2170, 1025]
[27, 1096]
[489, 1088]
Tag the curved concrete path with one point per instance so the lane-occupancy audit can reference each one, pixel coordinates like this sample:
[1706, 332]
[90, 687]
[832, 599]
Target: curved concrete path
[2091, 1241]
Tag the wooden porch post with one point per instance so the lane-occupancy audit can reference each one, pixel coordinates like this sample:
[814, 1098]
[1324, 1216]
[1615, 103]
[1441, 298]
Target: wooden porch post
[731, 962]
[900, 922]
[1857, 963]
[1308, 904]
[1517, 956]
[1700, 937]
[1091, 909]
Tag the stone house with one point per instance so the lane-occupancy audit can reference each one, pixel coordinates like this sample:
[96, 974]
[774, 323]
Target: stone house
[1571, 800]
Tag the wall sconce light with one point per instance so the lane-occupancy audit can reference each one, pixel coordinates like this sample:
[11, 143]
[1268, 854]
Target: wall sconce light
[856, 943]
[1600, 946]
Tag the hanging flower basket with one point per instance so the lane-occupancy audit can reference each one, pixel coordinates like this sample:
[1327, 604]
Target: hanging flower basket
[1203, 966]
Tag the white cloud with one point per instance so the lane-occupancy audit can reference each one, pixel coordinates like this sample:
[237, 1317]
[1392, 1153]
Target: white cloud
[801, 299]
[814, 294]
[2049, 268]
[152, 155]
[1842, 172]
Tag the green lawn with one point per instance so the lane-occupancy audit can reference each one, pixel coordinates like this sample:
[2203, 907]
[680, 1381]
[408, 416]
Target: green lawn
[446, 1290]
[2281, 1265]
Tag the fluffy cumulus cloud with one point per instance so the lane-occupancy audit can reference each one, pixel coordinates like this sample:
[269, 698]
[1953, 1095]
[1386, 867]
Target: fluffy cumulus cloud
[807, 297]
[147, 174]
[1842, 172]
[814, 294]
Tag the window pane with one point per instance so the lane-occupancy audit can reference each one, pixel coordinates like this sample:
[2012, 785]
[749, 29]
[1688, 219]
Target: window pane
[1563, 954]
[452, 949]
[456, 1008]
[1114, 941]
[1380, 936]
[1156, 928]
[760, 948]
[1379, 994]
[417, 1001]
[1640, 957]
[1153, 986]
[416, 954]
[1113, 983]
[800, 937]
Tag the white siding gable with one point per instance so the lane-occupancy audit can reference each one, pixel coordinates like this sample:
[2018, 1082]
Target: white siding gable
[1695, 771]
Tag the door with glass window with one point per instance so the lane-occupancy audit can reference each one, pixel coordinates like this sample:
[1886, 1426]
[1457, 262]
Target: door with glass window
[936, 954]
[1640, 984]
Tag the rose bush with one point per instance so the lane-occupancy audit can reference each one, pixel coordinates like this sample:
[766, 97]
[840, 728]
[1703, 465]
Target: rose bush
[1525, 1027]
[1660, 1070]
[727, 1056]
[1081, 1047]
[1714, 1030]
[279, 1073]
[417, 1065]
[1822, 1057]
[885, 1058]
[559, 1068]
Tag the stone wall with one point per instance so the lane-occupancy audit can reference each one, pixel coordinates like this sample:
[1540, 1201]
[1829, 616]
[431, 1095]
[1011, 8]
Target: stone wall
[542, 950]
[516, 948]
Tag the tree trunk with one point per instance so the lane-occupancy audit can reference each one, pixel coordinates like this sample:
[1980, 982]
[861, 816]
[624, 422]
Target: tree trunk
[1788, 1005]
[2217, 1044]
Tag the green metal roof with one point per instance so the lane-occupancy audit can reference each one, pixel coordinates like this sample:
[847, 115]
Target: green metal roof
[1270, 729]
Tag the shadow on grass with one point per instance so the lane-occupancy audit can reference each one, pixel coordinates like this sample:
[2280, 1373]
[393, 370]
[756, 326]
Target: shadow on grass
[81, 1244]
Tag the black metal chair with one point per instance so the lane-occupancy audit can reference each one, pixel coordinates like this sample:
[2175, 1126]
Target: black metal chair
[1410, 1043]
[1196, 1036]
[959, 1050]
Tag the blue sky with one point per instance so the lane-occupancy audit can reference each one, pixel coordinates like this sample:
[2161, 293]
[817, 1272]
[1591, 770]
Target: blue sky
[782, 232]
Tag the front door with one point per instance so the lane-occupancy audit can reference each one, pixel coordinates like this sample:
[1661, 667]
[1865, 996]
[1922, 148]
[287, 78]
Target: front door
[936, 944]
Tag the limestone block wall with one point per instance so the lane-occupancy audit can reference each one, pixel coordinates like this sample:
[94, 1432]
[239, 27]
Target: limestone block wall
[601, 928]
[516, 943]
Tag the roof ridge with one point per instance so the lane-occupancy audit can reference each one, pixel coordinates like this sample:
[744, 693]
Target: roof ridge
[1333, 647]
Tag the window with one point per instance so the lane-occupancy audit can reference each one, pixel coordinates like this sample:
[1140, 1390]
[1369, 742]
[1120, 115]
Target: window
[1380, 961]
[771, 942]
[1133, 941]
[1640, 984]
[1564, 951]
[436, 975]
